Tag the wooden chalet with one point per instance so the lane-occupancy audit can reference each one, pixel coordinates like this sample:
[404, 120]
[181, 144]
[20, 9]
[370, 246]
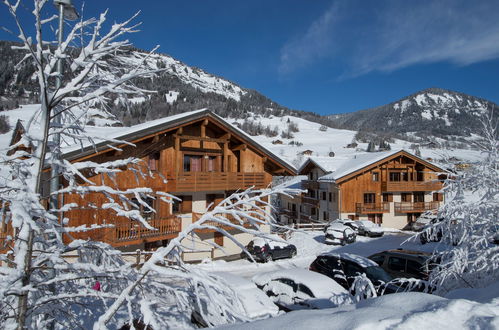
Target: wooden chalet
[196, 156]
[390, 188]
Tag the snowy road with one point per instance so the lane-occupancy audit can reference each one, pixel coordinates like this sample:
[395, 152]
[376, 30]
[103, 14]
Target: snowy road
[311, 244]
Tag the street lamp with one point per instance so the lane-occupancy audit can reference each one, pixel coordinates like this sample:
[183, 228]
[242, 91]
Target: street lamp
[66, 11]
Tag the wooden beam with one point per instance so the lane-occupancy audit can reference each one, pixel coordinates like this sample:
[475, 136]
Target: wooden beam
[240, 147]
[155, 139]
[264, 159]
[226, 136]
[199, 138]
[180, 130]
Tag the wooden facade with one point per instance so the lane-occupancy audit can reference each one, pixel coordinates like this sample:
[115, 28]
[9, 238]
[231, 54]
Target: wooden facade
[392, 191]
[198, 154]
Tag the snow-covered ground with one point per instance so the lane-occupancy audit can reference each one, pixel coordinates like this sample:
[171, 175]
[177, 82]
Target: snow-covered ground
[460, 309]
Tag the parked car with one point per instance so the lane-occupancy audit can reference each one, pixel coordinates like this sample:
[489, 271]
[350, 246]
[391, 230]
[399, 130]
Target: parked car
[345, 267]
[337, 233]
[429, 234]
[404, 263]
[255, 302]
[347, 222]
[264, 250]
[293, 289]
[369, 229]
[423, 220]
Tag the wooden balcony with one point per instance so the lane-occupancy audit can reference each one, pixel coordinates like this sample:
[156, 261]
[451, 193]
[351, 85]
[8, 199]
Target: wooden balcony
[417, 207]
[213, 181]
[367, 208]
[411, 186]
[131, 232]
[310, 200]
[310, 184]
[125, 232]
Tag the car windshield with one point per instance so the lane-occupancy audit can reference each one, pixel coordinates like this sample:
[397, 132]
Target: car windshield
[376, 273]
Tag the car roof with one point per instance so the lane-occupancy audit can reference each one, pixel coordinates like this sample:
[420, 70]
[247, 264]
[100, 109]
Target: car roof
[320, 285]
[408, 252]
[360, 260]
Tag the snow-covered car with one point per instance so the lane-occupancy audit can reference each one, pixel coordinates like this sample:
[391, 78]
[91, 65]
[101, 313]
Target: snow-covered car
[347, 222]
[337, 233]
[369, 229]
[255, 302]
[293, 289]
[423, 220]
[344, 268]
[268, 249]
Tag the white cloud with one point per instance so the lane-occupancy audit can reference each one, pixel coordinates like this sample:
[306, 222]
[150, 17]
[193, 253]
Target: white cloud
[395, 34]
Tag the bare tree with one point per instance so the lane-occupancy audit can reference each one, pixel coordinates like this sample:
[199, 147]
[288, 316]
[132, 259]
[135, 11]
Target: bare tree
[39, 288]
[469, 220]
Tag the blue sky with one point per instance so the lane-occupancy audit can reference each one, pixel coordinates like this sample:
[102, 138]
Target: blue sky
[324, 56]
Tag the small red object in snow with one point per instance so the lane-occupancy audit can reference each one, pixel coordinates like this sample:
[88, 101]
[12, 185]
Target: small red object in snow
[96, 286]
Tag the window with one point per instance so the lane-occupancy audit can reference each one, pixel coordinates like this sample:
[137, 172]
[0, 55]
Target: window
[334, 197]
[405, 176]
[394, 176]
[438, 197]
[406, 197]
[313, 211]
[192, 163]
[325, 216]
[219, 239]
[414, 268]
[146, 211]
[396, 264]
[324, 196]
[211, 165]
[154, 161]
[330, 197]
[418, 197]
[371, 217]
[387, 197]
[379, 259]
[369, 198]
[215, 199]
[375, 176]
[182, 206]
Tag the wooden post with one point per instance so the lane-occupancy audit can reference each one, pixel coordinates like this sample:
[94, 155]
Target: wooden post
[137, 260]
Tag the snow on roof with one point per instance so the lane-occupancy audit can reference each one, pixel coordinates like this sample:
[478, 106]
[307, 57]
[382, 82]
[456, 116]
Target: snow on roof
[360, 161]
[104, 135]
[327, 164]
[362, 261]
[320, 285]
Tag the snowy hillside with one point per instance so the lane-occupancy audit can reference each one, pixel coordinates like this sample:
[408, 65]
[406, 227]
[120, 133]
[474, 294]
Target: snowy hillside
[430, 113]
[328, 144]
[322, 143]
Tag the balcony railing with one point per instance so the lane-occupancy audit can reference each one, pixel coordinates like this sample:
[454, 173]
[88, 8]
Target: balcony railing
[417, 207]
[310, 184]
[289, 213]
[124, 232]
[211, 181]
[310, 200]
[131, 232]
[411, 186]
[365, 208]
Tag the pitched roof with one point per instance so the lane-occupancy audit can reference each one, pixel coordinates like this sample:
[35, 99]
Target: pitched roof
[139, 131]
[362, 161]
[326, 164]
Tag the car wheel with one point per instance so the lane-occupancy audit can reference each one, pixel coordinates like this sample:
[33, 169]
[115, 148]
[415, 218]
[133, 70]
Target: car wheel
[293, 253]
[268, 258]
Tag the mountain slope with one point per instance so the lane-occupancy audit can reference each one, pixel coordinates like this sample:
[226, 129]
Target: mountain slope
[432, 112]
[177, 89]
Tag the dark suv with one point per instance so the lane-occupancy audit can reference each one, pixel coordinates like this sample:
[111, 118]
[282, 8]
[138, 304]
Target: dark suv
[404, 263]
[268, 250]
[344, 267]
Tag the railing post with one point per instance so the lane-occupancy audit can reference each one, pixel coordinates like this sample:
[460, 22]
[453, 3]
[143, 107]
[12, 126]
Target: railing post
[137, 259]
